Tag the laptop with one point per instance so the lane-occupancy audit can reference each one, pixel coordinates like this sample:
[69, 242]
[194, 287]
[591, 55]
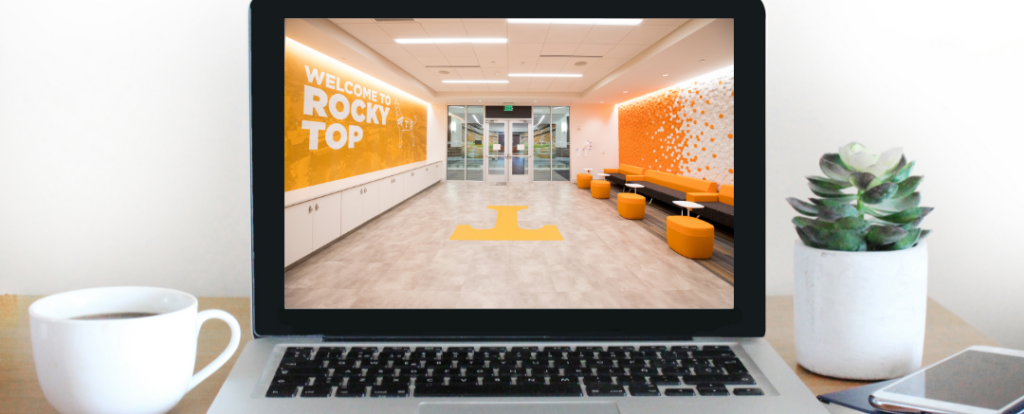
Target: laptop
[450, 245]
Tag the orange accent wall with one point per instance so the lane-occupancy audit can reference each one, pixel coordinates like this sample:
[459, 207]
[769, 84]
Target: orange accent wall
[684, 129]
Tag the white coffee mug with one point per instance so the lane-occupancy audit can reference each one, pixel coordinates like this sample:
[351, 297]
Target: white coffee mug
[129, 365]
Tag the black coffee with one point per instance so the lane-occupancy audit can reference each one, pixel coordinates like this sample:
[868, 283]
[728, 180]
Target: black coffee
[117, 315]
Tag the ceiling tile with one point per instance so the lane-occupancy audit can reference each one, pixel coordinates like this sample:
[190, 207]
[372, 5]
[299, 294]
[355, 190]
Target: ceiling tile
[607, 34]
[406, 61]
[540, 84]
[404, 30]
[519, 84]
[563, 82]
[456, 50]
[390, 50]
[646, 35]
[608, 62]
[559, 48]
[423, 50]
[490, 49]
[667, 22]
[550, 65]
[451, 75]
[624, 51]
[527, 33]
[340, 22]
[478, 87]
[497, 87]
[557, 88]
[522, 64]
[444, 29]
[368, 33]
[591, 49]
[571, 67]
[470, 73]
[493, 61]
[486, 29]
[441, 88]
[463, 61]
[525, 49]
[577, 87]
[433, 61]
[458, 87]
[567, 33]
[495, 73]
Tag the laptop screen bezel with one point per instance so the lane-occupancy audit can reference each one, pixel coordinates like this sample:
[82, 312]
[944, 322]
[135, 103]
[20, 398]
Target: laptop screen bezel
[269, 316]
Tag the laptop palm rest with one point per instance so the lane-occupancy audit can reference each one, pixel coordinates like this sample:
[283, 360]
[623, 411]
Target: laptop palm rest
[567, 407]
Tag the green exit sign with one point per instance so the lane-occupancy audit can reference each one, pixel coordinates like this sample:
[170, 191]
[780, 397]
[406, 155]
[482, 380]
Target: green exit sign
[508, 108]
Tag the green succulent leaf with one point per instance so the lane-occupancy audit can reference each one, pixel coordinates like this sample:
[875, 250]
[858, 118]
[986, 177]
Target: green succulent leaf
[924, 233]
[902, 173]
[881, 235]
[852, 223]
[908, 186]
[824, 191]
[834, 201]
[907, 241]
[807, 239]
[845, 240]
[862, 180]
[893, 205]
[834, 168]
[833, 213]
[803, 207]
[907, 216]
[845, 223]
[879, 194]
[829, 183]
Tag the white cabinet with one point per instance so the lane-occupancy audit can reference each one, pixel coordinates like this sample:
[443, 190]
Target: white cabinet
[326, 219]
[351, 209]
[298, 232]
[410, 186]
[391, 192]
[371, 201]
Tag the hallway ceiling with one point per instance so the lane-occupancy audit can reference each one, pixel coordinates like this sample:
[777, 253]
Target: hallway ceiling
[594, 51]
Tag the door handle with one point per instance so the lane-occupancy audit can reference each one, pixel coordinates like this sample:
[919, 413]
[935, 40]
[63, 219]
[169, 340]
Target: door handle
[318, 207]
[310, 209]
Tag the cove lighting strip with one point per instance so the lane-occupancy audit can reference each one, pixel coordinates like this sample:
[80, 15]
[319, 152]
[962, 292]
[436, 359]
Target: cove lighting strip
[599, 22]
[475, 81]
[546, 75]
[450, 40]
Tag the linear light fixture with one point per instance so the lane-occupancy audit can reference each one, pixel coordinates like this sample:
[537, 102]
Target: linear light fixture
[449, 40]
[546, 75]
[474, 81]
[600, 22]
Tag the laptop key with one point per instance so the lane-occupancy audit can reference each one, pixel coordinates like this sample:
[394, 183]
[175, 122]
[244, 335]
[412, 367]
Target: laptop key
[600, 379]
[712, 391]
[747, 391]
[282, 391]
[605, 390]
[350, 392]
[679, 392]
[322, 390]
[389, 391]
[643, 391]
[665, 380]
[498, 390]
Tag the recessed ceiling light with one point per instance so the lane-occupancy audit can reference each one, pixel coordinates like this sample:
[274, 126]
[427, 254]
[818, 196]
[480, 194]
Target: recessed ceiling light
[444, 72]
[475, 81]
[665, 74]
[581, 63]
[546, 75]
[535, 101]
[702, 60]
[625, 91]
[602, 101]
[446, 40]
[600, 22]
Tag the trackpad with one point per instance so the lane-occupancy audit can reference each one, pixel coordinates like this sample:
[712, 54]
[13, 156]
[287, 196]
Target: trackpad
[567, 407]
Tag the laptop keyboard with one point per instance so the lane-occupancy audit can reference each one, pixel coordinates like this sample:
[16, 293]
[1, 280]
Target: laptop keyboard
[561, 371]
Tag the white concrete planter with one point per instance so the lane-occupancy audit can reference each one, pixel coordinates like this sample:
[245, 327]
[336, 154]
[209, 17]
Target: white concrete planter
[860, 315]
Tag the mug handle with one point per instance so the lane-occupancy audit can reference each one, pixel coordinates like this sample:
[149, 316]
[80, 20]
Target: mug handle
[236, 334]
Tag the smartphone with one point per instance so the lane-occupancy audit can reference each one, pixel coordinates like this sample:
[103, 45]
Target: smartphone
[977, 380]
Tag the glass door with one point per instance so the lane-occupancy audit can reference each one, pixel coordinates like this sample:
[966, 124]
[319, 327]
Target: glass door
[519, 147]
[497, 152]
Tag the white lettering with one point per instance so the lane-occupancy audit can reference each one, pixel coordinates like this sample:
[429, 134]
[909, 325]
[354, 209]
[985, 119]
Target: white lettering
[319, 76]
[375, 96]
[314, 133]
[355, 134]
[342, 138]
[333, 106]
[371, 113]
[315, 99]
[358, 103]
[330, 81]
[387, 100]
[348, 87]
[358, 89]
[383, 114]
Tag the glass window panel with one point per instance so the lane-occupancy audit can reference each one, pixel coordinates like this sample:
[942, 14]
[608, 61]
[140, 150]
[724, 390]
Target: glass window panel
[542, 143]
[560, 132]
[474, 143]
[456, 143]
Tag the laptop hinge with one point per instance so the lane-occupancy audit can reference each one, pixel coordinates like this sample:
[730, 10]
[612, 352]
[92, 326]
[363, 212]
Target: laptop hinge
[501, 339]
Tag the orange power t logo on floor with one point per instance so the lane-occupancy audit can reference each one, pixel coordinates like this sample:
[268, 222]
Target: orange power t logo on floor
[507, 228]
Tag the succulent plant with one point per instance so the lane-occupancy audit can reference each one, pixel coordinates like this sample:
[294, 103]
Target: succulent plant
[883, 214]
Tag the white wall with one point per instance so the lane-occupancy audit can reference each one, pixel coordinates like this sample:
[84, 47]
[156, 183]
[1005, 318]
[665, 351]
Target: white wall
[942, 80]
[599, 124]
[124, 146]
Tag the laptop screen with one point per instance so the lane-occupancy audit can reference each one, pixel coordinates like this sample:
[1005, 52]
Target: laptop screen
[509, 163]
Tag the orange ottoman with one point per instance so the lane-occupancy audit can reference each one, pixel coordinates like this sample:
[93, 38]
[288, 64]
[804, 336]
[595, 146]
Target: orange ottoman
[600, 188]
[691, 237]
[583, 180]
[631, 206]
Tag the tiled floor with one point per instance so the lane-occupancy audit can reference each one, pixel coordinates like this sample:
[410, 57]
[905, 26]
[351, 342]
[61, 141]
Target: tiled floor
[403, 258]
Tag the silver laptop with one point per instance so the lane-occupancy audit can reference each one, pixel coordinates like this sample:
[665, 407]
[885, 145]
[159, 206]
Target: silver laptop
[346, 327]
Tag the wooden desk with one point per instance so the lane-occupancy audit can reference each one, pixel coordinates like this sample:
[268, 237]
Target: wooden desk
[20, 392]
